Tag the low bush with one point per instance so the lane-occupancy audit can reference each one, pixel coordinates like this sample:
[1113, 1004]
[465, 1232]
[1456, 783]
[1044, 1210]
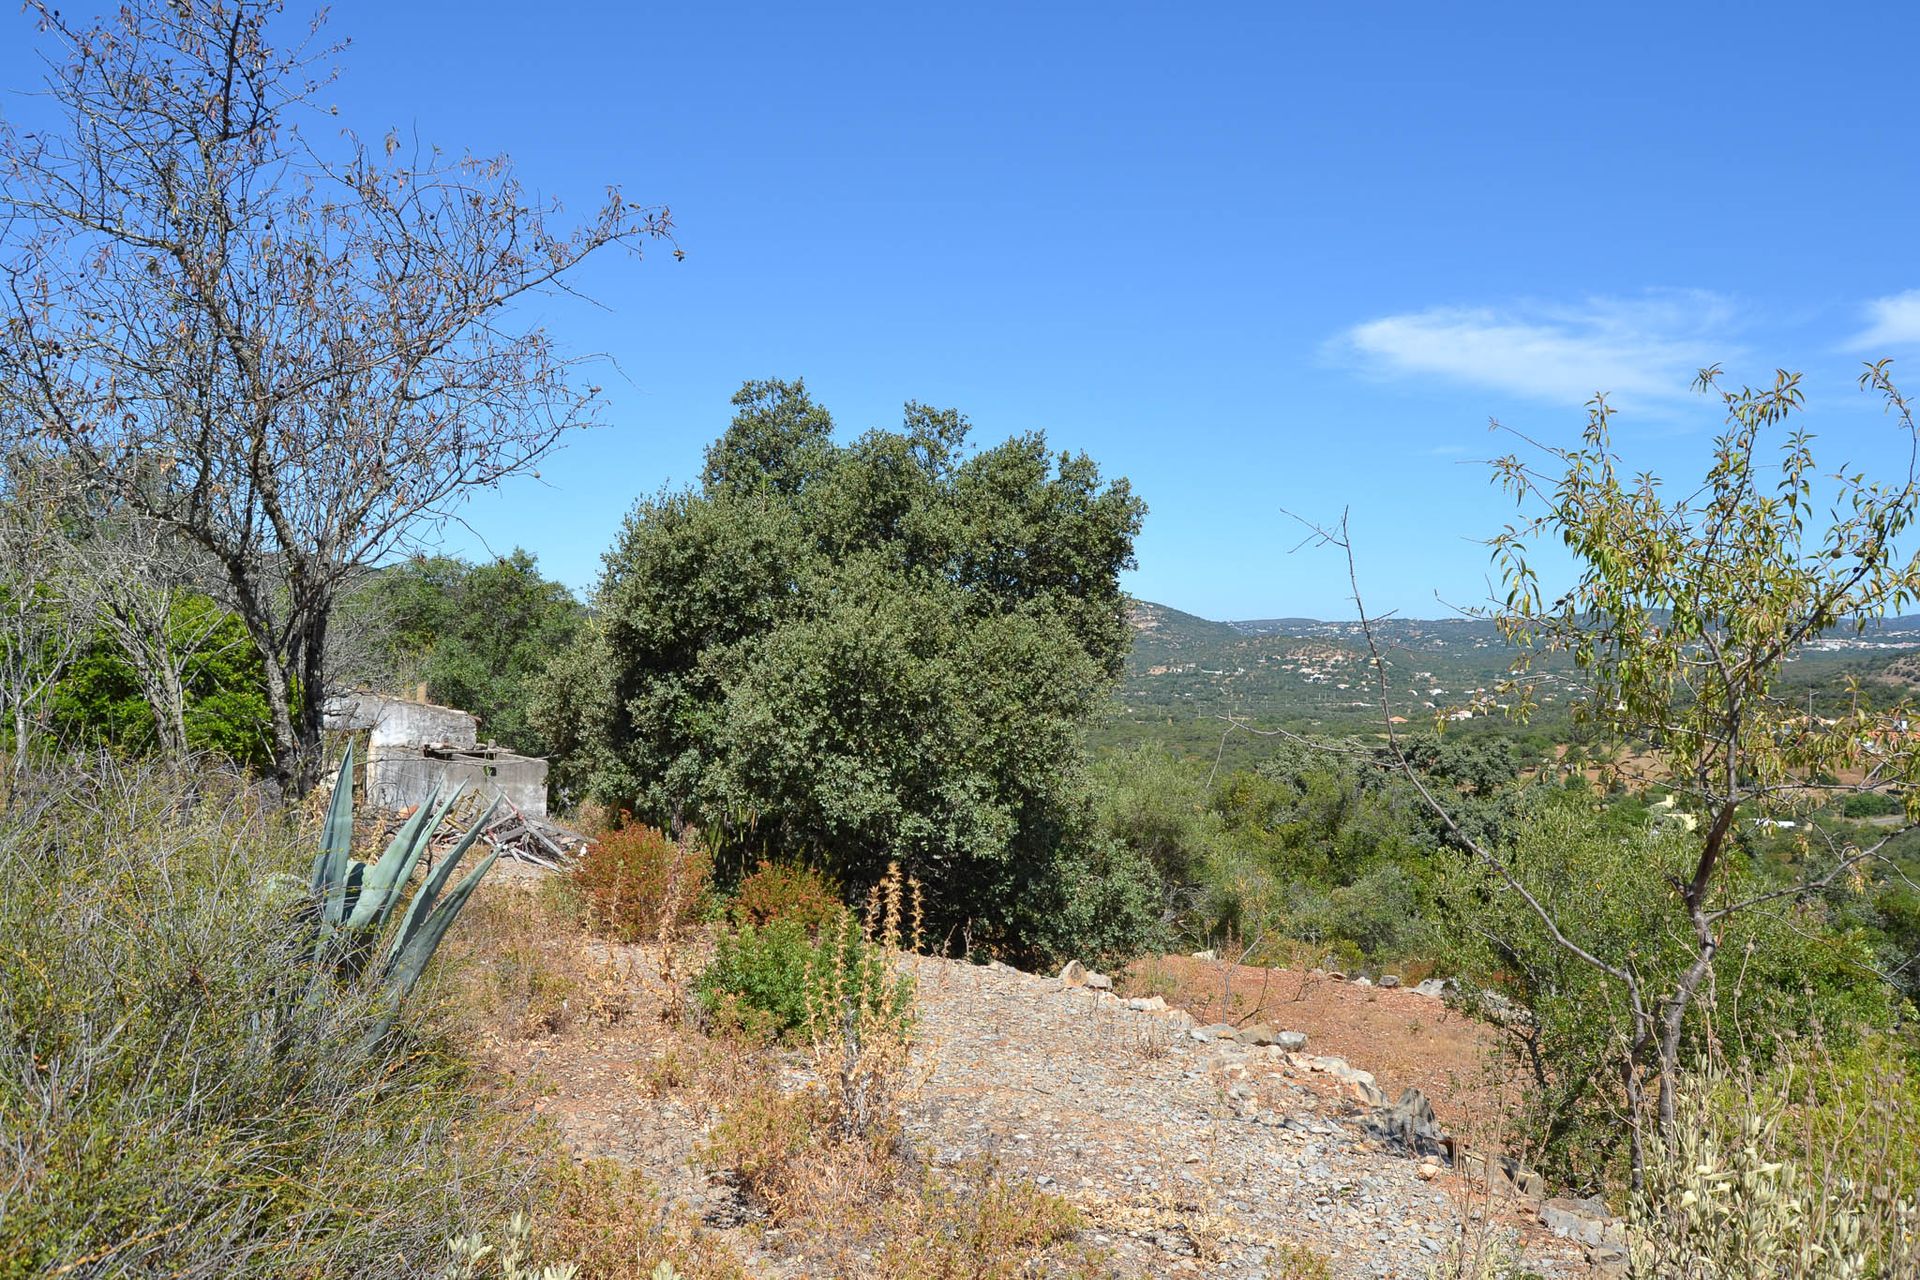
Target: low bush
[1871, 804]
[778, 979]
[759, 975]
[785, 891]
[636, 883]
[1787, 1174]
[179, 1097]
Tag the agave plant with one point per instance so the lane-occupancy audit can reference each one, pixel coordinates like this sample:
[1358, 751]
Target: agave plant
[356, 900]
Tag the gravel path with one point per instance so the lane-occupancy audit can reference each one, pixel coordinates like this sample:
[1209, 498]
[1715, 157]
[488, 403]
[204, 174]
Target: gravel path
[1188, 1156]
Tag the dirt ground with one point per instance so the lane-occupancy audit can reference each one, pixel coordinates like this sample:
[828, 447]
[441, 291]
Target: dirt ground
[1405, 1039]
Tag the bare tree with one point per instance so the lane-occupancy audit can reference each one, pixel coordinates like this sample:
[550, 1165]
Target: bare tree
[40, 631]
[310, 343]
[135, 581]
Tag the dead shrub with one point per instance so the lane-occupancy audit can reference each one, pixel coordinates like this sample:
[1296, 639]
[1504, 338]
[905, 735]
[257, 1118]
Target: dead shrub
[637, 883]
[860, 1011]
[982, 1225]
[787, 1155]
[786, 891]
[612, 1224]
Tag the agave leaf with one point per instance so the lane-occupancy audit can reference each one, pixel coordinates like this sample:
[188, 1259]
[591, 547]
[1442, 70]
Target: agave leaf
[423, 901]
[413, 958]
[336, 836]
[395, 866]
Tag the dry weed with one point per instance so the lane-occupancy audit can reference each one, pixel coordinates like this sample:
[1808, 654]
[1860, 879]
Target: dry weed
[612, 1224]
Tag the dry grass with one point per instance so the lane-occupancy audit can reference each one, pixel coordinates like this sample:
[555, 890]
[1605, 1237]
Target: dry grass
[612, 1224]
[518, 968]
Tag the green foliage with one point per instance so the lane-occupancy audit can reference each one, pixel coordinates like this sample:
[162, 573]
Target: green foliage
[781, 977]
[862, 653]
[478, 635]
[175, 1103]
[1871, 804]
[1158, 806]
[98, 700]
[1102, 903]
[1795, 976]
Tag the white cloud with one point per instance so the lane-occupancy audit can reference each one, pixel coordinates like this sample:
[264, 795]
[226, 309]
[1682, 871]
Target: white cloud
[1894, 322]
[1634, 349]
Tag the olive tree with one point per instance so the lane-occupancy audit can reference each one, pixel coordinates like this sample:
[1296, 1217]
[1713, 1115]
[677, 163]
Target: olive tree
[310, 339]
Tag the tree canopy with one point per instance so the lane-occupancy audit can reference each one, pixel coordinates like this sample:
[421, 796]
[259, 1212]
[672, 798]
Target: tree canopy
[865, 652]
[477, 635]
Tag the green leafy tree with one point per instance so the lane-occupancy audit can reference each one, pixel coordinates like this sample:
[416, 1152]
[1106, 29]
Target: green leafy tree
[477, 635]
[101, 699]
[857, 653]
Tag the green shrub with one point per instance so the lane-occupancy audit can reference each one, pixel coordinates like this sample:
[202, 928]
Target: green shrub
[785, 891]
[1103, 906]
[760, 971]
[1870, 804]
[179, 1098]
[780, 979]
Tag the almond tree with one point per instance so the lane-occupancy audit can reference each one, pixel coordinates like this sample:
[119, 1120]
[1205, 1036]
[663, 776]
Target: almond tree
[1678, 626]
[311, 340]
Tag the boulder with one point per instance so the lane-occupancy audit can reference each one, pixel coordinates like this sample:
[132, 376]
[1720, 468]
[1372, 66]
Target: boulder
[1074, 974]
[1572, 1218]
[1434, 988]
[1411, 1125]
[1147, 1004]
[1526, 1181]
[1097, 981]
[1257, 1034]
[1389, 980]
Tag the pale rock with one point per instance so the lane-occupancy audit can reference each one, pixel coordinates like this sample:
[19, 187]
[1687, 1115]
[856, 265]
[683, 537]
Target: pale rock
[1147, 1004]
[1367, 1093]
[1389, 981]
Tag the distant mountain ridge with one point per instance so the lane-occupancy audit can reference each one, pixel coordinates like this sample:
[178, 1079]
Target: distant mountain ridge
[1311, 673]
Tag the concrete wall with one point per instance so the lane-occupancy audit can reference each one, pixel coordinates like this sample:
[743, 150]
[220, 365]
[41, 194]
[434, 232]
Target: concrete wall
[412, 746]
[397, 779]
[393, 723]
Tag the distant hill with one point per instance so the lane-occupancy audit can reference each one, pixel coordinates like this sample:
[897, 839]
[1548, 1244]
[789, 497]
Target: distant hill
[1310, 675]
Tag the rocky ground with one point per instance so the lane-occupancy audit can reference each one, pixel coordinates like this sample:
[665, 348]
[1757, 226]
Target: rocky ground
[1188, 1151]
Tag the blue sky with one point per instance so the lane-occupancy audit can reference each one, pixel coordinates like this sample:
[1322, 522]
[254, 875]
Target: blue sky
[1255, 258]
